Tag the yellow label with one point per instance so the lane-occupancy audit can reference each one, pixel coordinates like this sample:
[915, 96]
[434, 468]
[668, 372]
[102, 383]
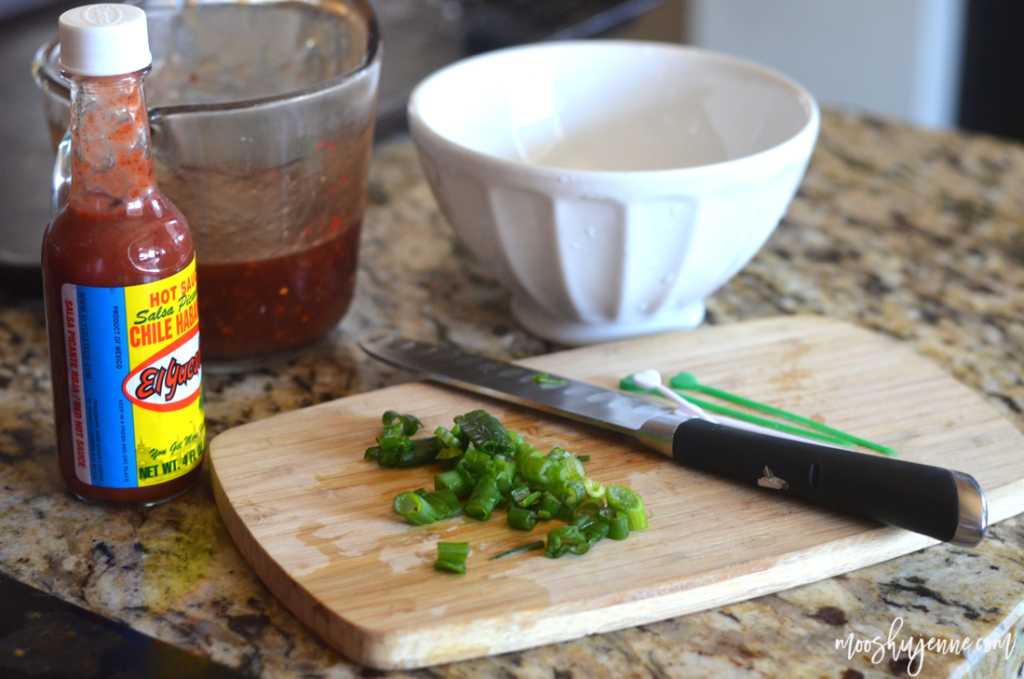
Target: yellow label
[164, 384]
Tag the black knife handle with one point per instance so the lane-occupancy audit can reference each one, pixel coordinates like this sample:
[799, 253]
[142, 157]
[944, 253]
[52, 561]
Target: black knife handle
[929, 500]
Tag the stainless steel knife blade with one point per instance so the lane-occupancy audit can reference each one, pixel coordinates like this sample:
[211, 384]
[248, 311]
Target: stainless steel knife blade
[944, 504]
[559, 395]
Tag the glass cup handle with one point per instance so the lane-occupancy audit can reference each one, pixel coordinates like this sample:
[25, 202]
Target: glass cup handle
[62, 173]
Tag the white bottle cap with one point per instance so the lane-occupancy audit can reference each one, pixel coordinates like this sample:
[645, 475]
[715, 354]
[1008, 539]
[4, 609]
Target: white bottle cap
[100, 40]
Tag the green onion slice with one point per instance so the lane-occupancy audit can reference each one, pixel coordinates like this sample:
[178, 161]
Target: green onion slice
[486, 432]
[566, 539]
[618, 526]
[520, 518]
[451, 453]
[448, 439]
[535, 469]
[548, 506]
[624, 500]
[530, 546]
[445, 503]
[594, 489]
[414, 509]
[455, 482]
[548, 381]
[410, 424]
[574, 469]
[451, 556]
[483, 499]
[590, 505]
[519, 493]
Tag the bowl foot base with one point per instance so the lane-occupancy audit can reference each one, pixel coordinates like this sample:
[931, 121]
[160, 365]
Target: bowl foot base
[572, 332]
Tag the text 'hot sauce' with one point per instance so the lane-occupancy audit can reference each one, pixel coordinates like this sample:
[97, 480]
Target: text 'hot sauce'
[120, 283]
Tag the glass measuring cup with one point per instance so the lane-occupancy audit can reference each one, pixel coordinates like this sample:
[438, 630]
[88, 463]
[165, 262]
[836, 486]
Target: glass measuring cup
[262, 118]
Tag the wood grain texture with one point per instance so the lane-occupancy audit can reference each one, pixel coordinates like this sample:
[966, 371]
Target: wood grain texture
[315, 521]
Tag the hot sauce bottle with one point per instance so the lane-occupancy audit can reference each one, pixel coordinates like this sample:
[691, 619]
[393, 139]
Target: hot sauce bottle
[120, 283]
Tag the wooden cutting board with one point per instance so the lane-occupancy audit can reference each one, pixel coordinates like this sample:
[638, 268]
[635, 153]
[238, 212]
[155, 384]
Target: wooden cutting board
[315, 521]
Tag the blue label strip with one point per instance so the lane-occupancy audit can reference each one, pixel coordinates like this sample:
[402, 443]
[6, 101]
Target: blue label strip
[103, 330]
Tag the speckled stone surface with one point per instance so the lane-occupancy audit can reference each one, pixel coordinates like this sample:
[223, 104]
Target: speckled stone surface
[918, 235]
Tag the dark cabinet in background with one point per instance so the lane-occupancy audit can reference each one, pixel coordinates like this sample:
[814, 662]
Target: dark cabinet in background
[992, 90]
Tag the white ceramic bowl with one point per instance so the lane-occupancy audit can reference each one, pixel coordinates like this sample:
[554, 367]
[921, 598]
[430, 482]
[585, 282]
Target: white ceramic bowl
[611, 186]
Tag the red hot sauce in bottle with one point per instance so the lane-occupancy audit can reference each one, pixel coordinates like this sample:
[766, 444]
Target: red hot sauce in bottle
[120, 283]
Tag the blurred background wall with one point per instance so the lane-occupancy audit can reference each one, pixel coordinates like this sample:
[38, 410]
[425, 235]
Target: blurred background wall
[893, 58]
[934, 63]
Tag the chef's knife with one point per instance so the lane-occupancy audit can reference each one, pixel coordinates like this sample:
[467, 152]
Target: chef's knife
[940, 503]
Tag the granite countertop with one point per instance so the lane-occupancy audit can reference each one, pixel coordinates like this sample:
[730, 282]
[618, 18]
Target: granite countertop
[918, 235]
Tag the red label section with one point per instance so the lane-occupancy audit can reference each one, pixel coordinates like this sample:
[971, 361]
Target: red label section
[169, 380]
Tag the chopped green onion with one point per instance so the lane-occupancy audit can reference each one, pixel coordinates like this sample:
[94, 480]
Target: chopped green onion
[618, 526]
[527, 451]
[590, 505]
[458, 433]
[489, 467]
[572, 493]
[410, 424]
[624, 500]
[594, 527]
[414, 509]
[594, 489]
[486, 432]
[548, 381]
[505, 471]
[522, 519]
[466, 469]
[477, 464]
[448, 439]
[389, 449]
[394, 431]
[479, 455]
[556, 474]
[530, 546]
[532, 498]
[520, 493]
[535, 469]
[445, 504]
[450, 549]
[454, 481]
[449, 464]
[557, 453]
[574, 470]
[415, 452]
[422, 452]
[483, 499]
[548, 507]
[451, 556]
[566, 539]
[566, 513]
[450, 453]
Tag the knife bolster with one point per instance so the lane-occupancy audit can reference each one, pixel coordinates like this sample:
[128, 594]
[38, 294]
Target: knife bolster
[658, 433]
[973, 519]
